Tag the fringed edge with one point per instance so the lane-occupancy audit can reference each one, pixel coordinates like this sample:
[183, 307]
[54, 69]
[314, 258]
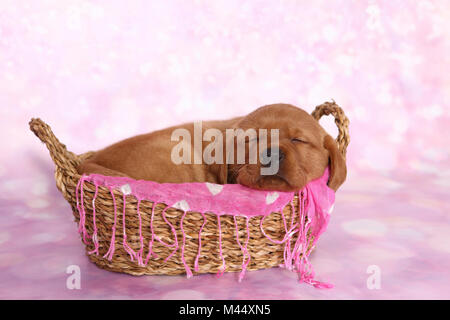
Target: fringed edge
[81, 211]
[94, 235]
[112, 245]
[199, 243]
[223, 267]
[287, 253]
[150, 243]
[287, 236]
[303, 266]
[141, 238]
[154, 236]
[175, 244]
[188, 270]
[243, 248]
[295, 259]
[125, 245]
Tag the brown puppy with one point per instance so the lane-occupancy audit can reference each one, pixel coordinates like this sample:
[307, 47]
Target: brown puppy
[305, 150]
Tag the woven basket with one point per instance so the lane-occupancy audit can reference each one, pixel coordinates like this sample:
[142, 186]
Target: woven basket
[220, 237]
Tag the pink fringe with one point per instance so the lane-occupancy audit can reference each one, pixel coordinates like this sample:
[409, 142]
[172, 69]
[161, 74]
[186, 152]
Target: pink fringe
[308, 275]
[287, 236]
[81, 211]
[139, 254]
[112, 245]
[199, 243]
[78, 202]
[150, 244]
[287, 254]
[188, 270]
[299, 242]
[243, 249]
[175, 244]
[174, 234]
[299, 250]
[298, 257]
[127, 248]
[94, 236]
[222, 269]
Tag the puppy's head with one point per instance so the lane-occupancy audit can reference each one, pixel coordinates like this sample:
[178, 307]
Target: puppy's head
[302, 152]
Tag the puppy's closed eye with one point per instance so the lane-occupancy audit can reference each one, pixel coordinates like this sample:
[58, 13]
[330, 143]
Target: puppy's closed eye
[299, 140]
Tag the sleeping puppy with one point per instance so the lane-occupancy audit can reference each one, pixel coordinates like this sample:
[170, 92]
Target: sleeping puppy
[301, 153]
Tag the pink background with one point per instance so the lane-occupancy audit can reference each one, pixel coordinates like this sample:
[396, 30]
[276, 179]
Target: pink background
[100, 71]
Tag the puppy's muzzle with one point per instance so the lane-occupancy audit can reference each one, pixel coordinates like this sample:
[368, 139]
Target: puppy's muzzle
[273, 155]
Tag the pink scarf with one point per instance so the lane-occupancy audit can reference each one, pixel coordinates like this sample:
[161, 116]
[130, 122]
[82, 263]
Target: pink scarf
[220, 200]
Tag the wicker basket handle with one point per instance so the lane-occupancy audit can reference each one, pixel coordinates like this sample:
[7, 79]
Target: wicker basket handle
[62, 158]
[340, 119]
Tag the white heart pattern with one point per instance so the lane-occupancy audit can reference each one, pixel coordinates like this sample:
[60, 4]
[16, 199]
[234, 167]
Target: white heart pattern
[272, 197]
[182, 205]
[126, 189]
[214, 188]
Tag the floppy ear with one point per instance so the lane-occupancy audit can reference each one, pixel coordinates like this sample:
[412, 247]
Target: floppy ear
[338, 168]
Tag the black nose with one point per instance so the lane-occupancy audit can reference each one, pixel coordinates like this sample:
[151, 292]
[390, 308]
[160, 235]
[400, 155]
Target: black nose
[270, 151]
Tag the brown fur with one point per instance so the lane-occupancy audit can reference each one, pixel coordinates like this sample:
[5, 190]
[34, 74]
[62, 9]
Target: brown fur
[148, 156]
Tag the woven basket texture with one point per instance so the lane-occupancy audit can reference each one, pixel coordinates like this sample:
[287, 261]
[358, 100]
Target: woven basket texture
[263, 252]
